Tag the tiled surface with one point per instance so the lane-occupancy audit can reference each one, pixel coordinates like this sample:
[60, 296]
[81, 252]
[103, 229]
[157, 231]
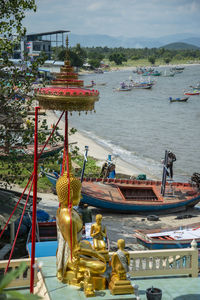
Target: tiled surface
[175, 288]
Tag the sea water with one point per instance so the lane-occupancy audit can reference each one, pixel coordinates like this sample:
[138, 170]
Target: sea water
[139, 125]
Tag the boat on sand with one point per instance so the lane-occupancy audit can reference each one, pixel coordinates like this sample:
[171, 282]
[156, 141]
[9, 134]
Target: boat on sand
[169, 238]
[28, 151]
[138, 196]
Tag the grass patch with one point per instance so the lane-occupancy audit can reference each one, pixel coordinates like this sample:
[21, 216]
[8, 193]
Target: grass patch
[144, 62]
[20, 172]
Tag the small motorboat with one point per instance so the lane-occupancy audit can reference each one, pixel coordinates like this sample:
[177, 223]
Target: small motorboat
[197, 87]
[90, 85]
[178, 99]
[169, 238]
[168, 74]
[125, 89]
[192, 93]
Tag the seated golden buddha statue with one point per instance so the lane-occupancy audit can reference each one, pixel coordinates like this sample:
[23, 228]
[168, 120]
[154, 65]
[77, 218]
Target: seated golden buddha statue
[99, 234]
[119, 284]
[75, 256]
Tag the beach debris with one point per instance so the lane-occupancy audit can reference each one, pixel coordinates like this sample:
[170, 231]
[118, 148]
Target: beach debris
[153, 218]
[185, 217]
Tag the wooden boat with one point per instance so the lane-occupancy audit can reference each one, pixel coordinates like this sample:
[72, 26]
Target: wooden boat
[156, 73]
[124, 89]
[168, 74]
[28, 151]
[9, 199]
[192, 93]
[142, 86]
[138, 196]
[183, 99]
[169, 238]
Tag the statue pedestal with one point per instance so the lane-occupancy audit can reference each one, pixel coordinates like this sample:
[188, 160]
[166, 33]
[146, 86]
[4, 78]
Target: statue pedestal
[99, 283]
[120, 287]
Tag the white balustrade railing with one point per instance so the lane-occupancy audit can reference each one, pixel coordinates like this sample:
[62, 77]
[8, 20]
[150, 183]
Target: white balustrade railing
[24, 279]
[164, 262]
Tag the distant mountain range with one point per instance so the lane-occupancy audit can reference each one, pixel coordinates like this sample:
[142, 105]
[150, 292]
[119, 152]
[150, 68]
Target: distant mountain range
[180, 46]
[95, 40]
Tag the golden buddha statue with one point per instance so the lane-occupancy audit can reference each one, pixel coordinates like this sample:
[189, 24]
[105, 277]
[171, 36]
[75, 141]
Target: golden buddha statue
[75, 256]
[99, 234]
[119, 284]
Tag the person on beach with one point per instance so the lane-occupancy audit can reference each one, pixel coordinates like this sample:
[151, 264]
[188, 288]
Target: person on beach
[170, 160]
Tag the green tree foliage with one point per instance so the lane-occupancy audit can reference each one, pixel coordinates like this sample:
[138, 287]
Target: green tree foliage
[152, 59]
[16, 82]
[94, 58]
[167, 59]
[118, 58]
[101, 53]
[94, 62]
[77, 55]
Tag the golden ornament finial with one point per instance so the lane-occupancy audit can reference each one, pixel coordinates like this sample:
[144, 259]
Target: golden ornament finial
[67, 48]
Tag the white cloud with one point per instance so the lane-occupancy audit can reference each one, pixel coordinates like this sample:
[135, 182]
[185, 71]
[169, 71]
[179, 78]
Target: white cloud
[94, 6]
[115, 17]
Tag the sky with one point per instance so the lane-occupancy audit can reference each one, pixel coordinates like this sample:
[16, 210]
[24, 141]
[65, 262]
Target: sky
[128, 18]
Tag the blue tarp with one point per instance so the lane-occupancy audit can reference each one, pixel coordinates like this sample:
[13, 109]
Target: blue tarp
[43, 249]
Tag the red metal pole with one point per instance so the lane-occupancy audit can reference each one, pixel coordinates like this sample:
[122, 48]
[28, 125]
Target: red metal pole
[68, 176]
[34, 200]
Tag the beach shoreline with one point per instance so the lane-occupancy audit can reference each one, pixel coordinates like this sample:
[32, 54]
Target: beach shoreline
[132, 68]
[96, 151]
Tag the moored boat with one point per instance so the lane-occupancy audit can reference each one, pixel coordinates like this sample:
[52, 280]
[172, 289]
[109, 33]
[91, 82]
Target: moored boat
[192, 93]
[137, 196]
[124, 89]
[169, 238]
[178, 99]
[168, 74]
[28, 151]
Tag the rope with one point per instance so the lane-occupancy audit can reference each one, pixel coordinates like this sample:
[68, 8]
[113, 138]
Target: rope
[50, 135]
[15, 207]
[18, 228]
[31, 175]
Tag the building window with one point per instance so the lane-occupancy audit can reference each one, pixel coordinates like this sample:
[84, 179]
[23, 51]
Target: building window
[36, 47]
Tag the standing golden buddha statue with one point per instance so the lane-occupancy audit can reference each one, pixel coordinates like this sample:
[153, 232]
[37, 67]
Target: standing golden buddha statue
[119, 284]
[75, 256]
